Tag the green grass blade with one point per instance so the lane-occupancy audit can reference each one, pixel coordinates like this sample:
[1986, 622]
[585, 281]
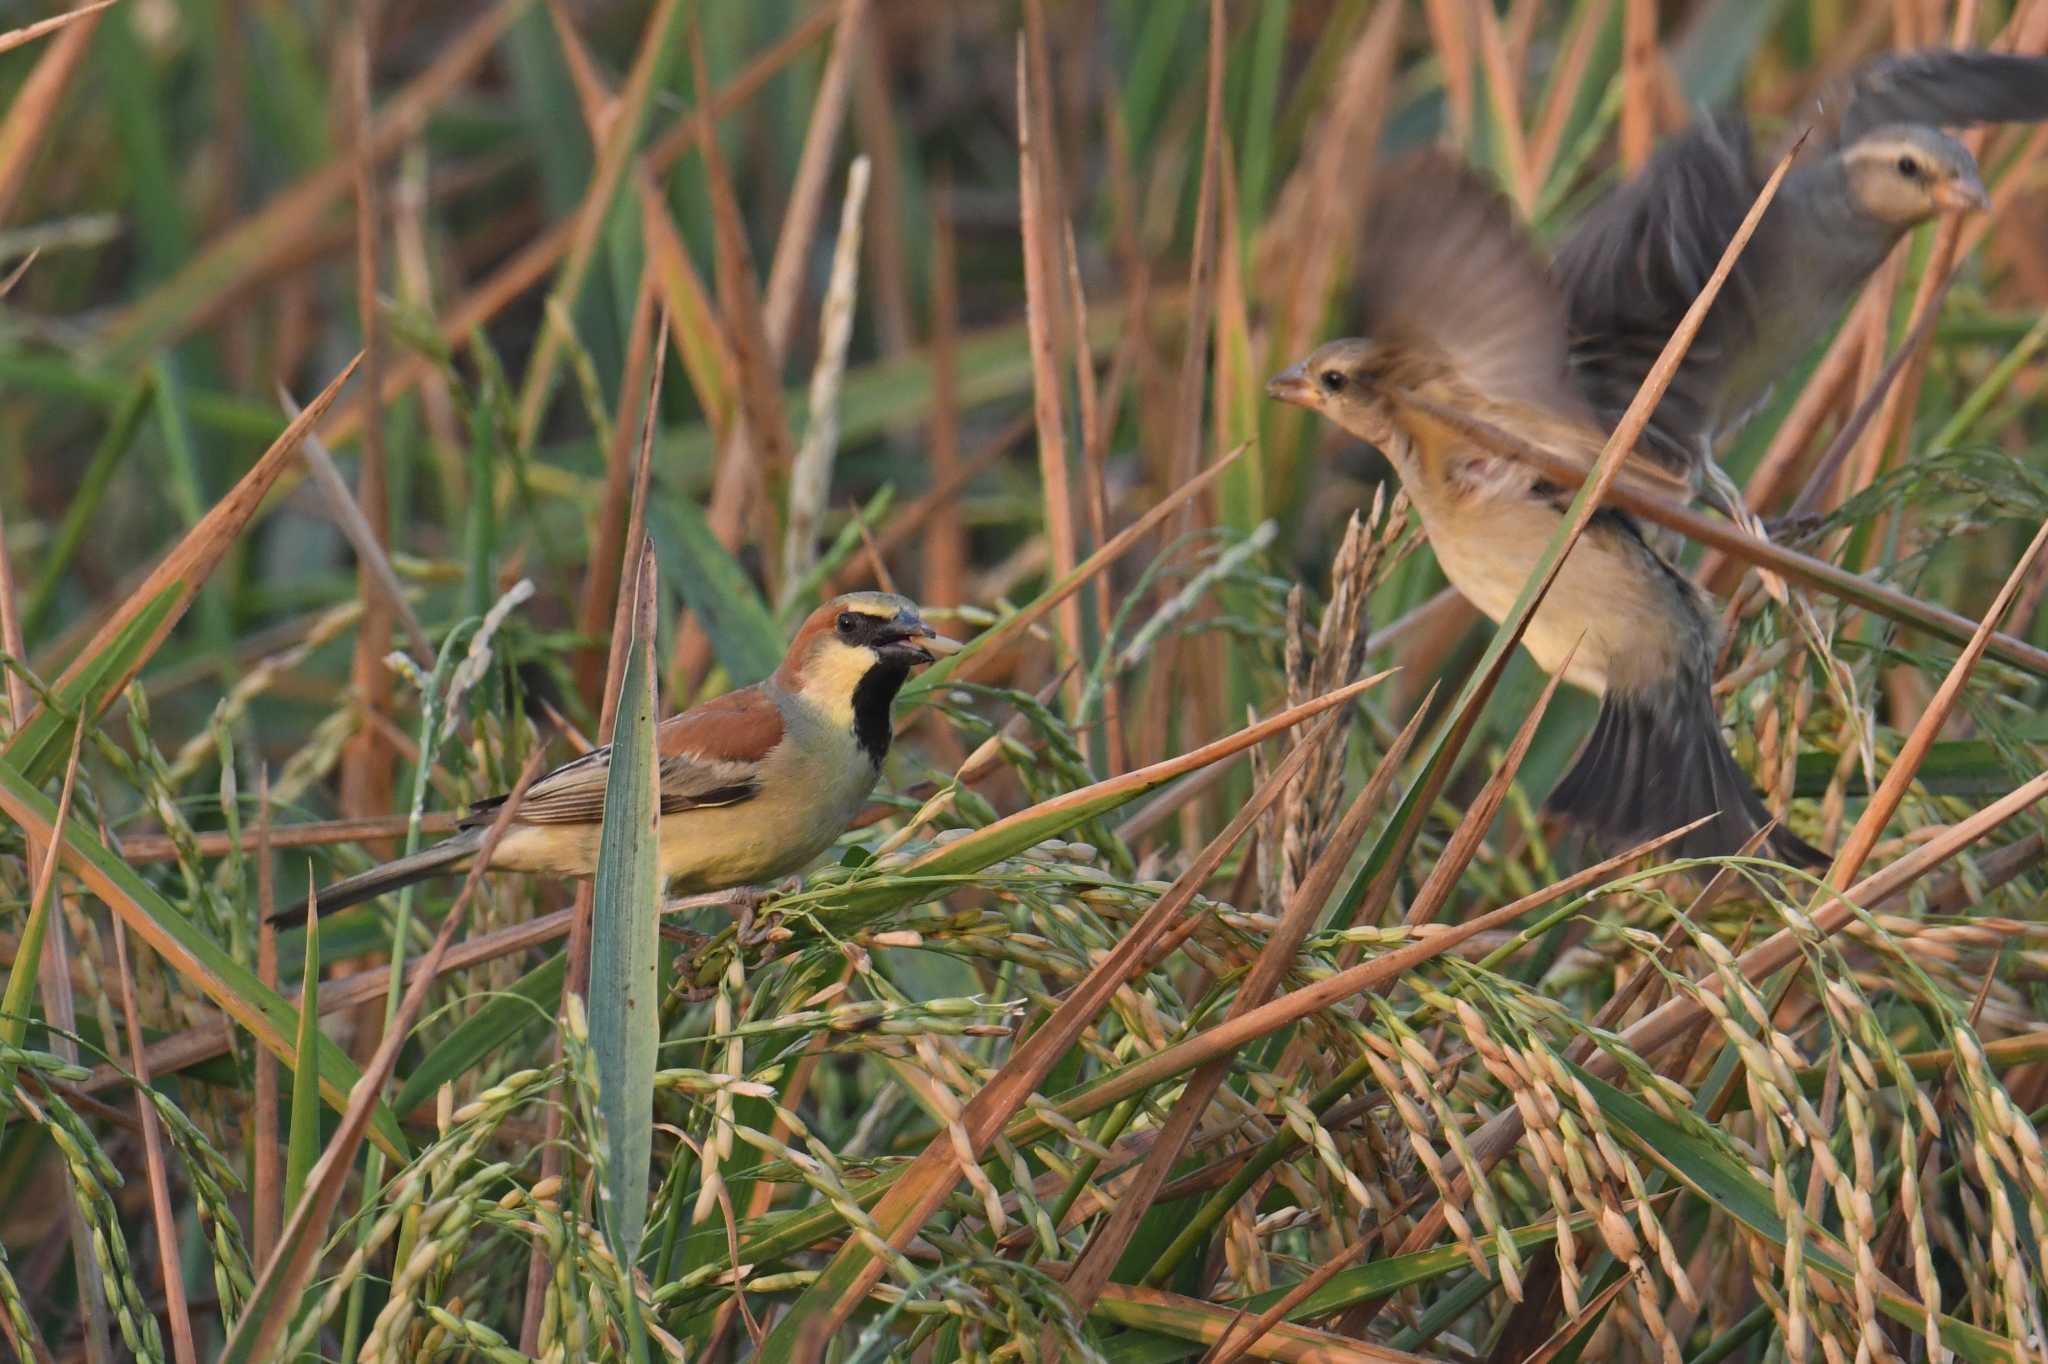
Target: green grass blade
[625, 951]
[79, 511]
[38, 746]
[304, 1146]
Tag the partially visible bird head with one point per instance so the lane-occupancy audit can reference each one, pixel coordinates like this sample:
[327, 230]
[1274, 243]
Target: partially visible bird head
[1348, 381]
[855, 638]
[1904, 174]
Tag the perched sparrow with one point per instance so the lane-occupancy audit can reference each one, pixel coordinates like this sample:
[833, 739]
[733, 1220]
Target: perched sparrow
[1874, 168]
[754, 783]
[1464, 317]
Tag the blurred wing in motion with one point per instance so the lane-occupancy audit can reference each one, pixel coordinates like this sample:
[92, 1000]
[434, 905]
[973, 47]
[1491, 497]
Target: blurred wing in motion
[1448, 269]
[1943, 87]
[1634, 264]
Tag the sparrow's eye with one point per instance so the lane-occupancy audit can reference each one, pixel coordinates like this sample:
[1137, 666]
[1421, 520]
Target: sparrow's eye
[1332, 380]
[847, 623]
[1909, 168]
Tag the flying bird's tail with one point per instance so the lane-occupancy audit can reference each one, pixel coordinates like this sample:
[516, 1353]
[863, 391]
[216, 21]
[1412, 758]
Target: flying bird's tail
[1657, 761]
[443, 859]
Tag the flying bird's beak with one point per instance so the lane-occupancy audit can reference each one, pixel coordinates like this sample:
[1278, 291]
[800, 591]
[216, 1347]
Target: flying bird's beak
[1292, 385]
[1963, 194]
[915, 642]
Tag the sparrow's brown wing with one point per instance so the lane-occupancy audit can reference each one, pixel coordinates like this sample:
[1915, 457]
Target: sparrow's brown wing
[1944, 87]
[1634, 264]
[1450, 270]
[710, 755]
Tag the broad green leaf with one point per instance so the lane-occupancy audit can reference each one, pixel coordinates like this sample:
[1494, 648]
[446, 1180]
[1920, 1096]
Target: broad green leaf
[717, 590]
[624, 954]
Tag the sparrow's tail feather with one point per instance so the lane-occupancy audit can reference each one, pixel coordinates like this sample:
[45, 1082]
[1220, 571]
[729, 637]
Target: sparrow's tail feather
[1656, 761]
[442, 859]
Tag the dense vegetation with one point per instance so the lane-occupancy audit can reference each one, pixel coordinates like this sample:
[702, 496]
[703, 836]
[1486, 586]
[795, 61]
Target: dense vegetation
[1125, 1023]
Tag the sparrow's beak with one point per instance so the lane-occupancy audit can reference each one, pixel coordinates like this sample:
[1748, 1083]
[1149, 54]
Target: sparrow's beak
[1292, 385]
[1962, 194]
[915, 642]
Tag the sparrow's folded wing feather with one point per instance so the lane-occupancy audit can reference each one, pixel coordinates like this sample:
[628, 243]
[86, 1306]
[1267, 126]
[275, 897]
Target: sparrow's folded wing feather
[1945, 87]
[1634, 264]
[709, 755]
[1450, 270]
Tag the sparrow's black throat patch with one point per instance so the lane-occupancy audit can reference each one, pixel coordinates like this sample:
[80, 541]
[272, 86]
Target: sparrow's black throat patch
[874, 696]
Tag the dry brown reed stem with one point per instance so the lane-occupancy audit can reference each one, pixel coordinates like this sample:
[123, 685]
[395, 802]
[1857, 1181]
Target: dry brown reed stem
[14, 689]
[1042, 281]
[142, 849]
[1505, 88]
[883, 139]
[1097, 426]
[367, 763]
[755, 453]
[608, 546]
[943, 570]
[810, 479]
[699, 340]
[281, 1283]
[592, 91]
[787, 268]
[41, 28]
[35, 107]
[1567, 82]
[169, 1261]
[1639, 59]
[1446, 20]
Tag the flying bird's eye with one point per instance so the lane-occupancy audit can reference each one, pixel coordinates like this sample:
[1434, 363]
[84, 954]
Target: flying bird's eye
[846, 623]
[1333, 381]
[1909, 168]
